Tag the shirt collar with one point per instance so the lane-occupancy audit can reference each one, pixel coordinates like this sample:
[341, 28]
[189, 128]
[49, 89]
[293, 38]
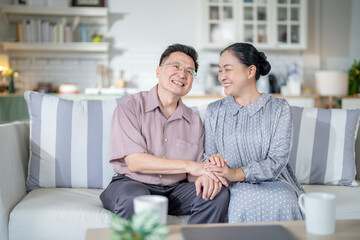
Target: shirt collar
[153, 102]
[252, 108]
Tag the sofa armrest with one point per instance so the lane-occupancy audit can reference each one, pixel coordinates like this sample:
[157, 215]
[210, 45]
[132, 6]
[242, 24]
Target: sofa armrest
[357, 155]
[14, 150]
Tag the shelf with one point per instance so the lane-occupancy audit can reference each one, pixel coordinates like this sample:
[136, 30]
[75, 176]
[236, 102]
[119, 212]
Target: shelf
[51, 11]
[16, 13]
[89, 47]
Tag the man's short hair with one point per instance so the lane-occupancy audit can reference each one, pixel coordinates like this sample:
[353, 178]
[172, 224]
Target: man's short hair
[188, 50]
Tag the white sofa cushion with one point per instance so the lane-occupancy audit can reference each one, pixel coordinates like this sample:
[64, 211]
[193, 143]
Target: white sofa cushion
[69, 142]
[347, 199]
[57, 213]
[323, 150]
[62, 213]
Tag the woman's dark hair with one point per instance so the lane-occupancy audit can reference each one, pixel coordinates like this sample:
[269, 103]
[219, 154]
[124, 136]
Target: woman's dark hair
[188, 50]
[248, 55]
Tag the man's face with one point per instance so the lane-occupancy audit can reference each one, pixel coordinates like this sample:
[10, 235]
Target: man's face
[175, 74]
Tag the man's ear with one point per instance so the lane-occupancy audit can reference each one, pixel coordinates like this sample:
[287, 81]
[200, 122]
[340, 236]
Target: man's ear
[252, 71]
[157, 71]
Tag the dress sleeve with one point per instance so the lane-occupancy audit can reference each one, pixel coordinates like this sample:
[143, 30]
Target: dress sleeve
[126, 137]
[209, 143]
[279, 151]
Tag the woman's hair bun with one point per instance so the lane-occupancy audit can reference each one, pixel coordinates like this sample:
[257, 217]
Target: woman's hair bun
[265, 66]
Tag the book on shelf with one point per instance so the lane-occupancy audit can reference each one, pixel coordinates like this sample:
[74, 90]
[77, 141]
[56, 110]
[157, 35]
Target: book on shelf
[40, 31]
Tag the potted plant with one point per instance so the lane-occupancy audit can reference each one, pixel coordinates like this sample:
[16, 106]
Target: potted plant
[354, 78]
[142, 226]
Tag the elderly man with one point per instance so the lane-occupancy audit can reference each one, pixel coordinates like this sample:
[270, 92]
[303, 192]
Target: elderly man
[157, 147]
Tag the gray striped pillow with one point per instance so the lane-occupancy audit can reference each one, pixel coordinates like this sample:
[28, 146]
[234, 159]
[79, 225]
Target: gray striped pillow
[69, 142]
[323, 150]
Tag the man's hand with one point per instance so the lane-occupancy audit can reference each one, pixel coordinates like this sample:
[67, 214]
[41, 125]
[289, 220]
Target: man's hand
[210, 188]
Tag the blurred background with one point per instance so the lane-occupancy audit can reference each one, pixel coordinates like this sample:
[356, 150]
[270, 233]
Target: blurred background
[114, 46]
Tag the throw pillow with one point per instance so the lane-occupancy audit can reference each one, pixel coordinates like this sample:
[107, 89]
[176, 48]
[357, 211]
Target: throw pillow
[323, 150]
[69, 141]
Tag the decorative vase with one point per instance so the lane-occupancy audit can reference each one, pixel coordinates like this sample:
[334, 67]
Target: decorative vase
[11, 88]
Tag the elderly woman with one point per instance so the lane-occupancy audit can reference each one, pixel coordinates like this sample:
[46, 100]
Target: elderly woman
[248, 140]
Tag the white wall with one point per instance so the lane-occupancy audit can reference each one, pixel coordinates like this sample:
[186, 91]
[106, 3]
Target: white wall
[147, 28]
[333, 36]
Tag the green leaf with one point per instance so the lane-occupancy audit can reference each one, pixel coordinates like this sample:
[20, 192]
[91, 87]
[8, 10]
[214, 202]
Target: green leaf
[119, 224]
[144, 222]
[115, 236]
[159, 233]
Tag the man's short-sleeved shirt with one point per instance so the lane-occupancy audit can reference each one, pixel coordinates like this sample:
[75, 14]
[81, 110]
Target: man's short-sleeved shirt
[139, 125]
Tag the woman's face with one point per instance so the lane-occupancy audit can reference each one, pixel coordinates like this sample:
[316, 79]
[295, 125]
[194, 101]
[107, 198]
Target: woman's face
[233, 75]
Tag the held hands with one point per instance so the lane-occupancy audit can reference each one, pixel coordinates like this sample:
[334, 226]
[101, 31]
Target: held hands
[198, 169]
[216, 164]
[217, 159]
[210, 188]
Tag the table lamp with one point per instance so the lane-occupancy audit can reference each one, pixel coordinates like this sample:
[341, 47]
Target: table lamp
[332, 84]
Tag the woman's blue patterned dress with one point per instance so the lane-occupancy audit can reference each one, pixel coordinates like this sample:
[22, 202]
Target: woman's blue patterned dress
[257, 138]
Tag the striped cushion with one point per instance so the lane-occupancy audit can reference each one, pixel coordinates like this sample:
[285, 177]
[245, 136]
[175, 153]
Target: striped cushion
[69, 142]
[323, 150]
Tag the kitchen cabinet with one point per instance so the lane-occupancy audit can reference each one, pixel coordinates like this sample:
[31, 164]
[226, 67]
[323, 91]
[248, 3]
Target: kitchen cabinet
[49, 29]
[267, 24]
[350, 102]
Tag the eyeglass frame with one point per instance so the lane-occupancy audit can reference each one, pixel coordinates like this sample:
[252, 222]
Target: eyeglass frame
[181, 68]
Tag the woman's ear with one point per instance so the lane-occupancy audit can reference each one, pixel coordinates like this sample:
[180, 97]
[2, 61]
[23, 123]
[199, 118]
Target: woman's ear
[252, 71]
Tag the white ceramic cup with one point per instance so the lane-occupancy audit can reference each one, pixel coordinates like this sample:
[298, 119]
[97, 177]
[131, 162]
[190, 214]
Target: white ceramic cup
[151, 203]
[319, 209]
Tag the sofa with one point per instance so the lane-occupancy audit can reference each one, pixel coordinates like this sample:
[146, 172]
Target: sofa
[38, 201]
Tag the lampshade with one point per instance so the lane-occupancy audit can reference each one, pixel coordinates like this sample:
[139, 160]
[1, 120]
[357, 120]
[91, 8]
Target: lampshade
[332, 83]
[4, 60]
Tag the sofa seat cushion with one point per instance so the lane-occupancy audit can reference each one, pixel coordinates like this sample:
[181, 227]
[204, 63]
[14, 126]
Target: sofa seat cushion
[347, 199]
[44, 212]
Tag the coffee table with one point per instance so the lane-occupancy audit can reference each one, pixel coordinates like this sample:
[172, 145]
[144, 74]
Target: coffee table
[344, 230]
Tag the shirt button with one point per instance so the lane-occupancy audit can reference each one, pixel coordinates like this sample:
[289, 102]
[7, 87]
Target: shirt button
[160, 176]
[165, 139]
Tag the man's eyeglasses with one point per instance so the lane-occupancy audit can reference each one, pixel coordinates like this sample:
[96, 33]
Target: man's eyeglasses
[177, 67]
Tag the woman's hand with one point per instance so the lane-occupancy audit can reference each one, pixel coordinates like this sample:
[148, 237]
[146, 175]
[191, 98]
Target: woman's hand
[231, 175]
[217, 159]
[197, 169]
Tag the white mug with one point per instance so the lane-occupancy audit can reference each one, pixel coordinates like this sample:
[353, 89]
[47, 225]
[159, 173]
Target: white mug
[319, 209]
[150, 203]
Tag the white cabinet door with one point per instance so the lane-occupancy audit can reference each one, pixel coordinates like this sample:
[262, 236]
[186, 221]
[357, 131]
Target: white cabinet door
[290, 23]
[254, 23]
[220, 27]
[267, 24]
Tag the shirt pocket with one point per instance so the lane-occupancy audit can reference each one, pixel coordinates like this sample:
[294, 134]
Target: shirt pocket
[186, 150]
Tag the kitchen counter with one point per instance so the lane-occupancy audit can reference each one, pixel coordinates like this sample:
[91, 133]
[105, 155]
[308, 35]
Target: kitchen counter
[13, 108]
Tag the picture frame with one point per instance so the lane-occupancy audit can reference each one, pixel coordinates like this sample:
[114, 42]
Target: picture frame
[88, 3]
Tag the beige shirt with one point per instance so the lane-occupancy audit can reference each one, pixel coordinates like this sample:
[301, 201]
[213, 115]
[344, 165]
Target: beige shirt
[139, 125]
